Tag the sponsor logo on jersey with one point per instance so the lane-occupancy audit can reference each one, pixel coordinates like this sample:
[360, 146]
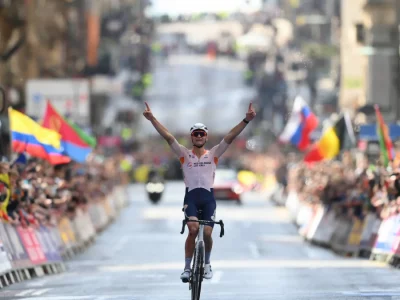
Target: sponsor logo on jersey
[202, 164]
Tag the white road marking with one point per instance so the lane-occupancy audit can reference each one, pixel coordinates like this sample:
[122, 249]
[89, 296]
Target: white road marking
[254, 250]
[217, 277]
[279, 215]
[24, 293]
[37, 283]
[61, 298]
[87, 297]
[372, 294]
[40, 292]
[251, 264]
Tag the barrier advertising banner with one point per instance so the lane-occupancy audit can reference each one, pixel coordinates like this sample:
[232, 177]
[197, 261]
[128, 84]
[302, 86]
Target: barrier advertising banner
[54, 231]
[319, 213]
[353, 242]
[47, 244]
[5, 258]
[327, 227]
[6, 244]
[387, 234]
[341, 235]
[67, 233]
[14, 246]
[396, 237]
[32, 245]
[367, 232]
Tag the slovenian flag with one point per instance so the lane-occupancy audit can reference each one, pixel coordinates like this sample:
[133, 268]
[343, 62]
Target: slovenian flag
[76, 143]
[385, 142]
[300, 125]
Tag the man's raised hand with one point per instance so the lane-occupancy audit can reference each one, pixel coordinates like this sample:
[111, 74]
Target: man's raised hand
[147, 112]
[251, 113]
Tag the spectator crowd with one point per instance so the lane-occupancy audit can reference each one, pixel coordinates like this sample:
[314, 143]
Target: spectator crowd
[352, 187]
[34, 193]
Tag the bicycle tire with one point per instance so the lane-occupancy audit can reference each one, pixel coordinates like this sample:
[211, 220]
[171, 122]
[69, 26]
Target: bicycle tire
[201, 270]
[193, 286]
[198, 270]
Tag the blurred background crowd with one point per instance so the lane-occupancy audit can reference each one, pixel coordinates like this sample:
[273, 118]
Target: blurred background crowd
[97, 61]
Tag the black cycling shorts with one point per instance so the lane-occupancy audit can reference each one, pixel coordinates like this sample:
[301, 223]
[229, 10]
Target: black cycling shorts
[200, 199]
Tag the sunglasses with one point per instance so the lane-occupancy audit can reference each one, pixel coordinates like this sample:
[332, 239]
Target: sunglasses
[200, 133]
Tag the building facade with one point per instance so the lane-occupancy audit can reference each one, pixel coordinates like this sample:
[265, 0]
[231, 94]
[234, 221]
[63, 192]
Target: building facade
[353, 64]
[370, 67]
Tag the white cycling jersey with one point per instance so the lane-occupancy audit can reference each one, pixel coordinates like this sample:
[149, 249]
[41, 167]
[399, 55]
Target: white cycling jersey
[199, 172]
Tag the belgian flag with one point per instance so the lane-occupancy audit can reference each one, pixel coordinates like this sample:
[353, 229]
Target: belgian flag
[333, 141]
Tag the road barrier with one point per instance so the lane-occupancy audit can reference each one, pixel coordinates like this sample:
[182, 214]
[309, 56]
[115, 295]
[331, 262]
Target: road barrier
[369, 236]
[27, 252]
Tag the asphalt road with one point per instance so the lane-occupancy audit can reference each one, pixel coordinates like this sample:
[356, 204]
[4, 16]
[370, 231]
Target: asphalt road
[140, 257]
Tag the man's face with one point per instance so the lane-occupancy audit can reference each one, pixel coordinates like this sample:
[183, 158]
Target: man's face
[199, 137]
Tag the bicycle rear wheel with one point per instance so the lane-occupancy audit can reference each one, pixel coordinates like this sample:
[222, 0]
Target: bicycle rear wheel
[198, 271]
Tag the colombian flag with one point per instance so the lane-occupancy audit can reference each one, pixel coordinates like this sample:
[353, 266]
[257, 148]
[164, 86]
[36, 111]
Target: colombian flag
[29, 137]
[385, 142]
[331, 142]
[76, 143]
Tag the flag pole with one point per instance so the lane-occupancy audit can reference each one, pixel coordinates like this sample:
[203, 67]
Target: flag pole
[349, 126]
[9, 131]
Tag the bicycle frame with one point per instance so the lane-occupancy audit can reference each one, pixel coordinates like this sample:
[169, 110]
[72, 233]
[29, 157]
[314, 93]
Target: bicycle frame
[197, 271]
[200, 235]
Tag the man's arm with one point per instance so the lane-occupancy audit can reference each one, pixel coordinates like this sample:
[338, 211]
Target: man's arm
[162, 131]
[158, 126]
[235, 131]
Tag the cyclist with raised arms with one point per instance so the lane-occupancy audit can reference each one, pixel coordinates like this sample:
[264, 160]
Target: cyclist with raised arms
[199, 165]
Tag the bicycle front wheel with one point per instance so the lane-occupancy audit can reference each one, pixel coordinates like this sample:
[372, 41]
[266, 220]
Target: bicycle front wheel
[198, 271]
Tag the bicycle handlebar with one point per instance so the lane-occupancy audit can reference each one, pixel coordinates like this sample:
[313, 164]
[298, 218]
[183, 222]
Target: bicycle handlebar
[204, 222]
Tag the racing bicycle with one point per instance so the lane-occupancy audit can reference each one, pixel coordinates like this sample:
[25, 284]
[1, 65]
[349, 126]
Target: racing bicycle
[197, 271]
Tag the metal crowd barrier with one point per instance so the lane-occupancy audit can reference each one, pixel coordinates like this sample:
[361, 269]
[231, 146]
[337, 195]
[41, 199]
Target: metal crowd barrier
[368, 237]
[27, 252]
